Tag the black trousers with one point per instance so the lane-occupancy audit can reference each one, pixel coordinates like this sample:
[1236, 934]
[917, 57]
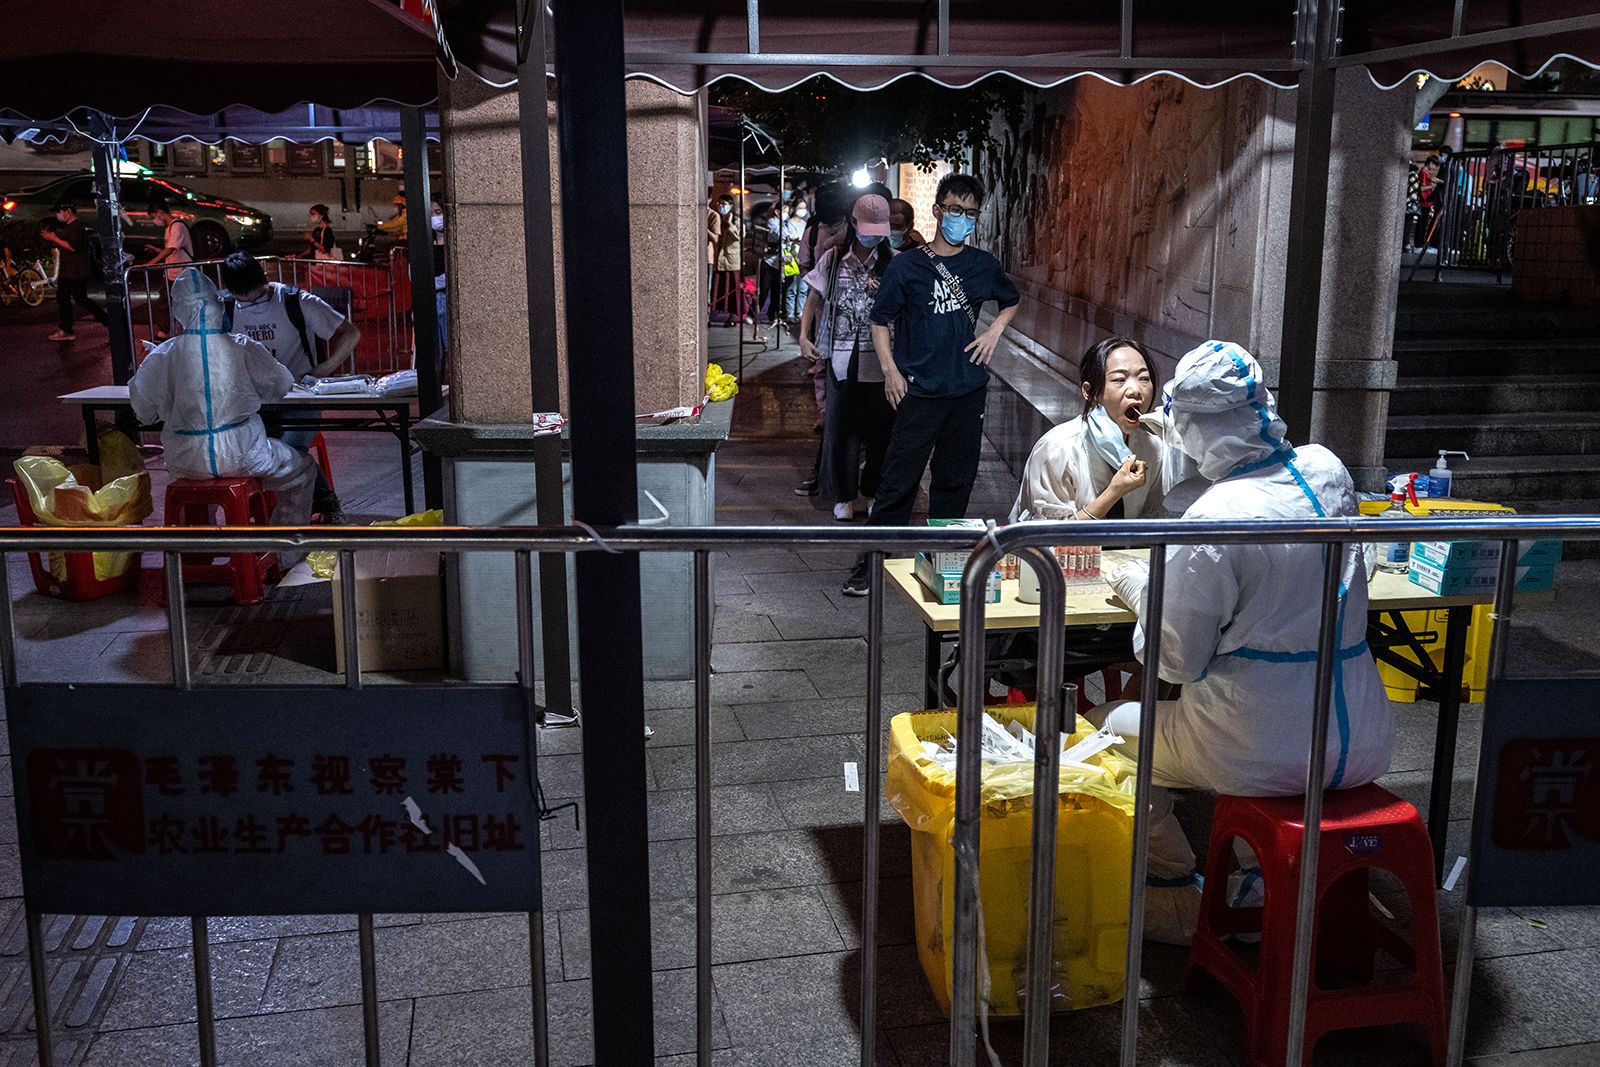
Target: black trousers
[68, 291]
[940, 434]
[855, 438]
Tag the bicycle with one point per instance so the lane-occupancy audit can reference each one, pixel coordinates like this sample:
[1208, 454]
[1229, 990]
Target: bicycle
[29, 284]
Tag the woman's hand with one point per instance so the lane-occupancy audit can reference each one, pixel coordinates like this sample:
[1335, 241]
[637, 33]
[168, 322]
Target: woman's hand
[808, 348]
[1129, 476]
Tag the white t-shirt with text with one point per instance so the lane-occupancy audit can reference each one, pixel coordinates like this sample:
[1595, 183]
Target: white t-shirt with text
[267, 320]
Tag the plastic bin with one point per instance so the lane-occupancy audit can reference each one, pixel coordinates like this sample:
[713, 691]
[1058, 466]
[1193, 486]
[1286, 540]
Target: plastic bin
[1094, 850]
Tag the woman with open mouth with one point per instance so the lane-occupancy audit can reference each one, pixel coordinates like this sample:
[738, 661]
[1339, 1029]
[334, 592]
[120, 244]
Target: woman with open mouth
[1106, 463]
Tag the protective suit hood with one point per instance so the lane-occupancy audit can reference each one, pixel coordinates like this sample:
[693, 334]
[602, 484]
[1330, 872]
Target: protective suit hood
[196, 304]
[1222, 413]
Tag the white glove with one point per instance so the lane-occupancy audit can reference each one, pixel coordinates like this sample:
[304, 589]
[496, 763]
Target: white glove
[1128, 582]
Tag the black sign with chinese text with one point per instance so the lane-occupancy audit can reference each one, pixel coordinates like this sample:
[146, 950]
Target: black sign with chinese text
[1536, 825]
[133, 800]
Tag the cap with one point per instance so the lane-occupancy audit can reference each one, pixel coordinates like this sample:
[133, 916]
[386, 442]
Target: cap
[871, 215]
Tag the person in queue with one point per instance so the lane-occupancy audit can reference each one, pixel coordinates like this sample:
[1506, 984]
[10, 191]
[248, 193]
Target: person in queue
[726, 251]
[842, 287]
[1240, 633]
[71, 237]
[291, 323]
[206, 387]
[903, 226]
[935, 363]
[320, 240]
[1103, 464]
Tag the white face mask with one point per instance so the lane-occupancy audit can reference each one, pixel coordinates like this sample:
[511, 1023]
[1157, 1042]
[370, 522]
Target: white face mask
[723, 209]
[437, 222]
[800, 212]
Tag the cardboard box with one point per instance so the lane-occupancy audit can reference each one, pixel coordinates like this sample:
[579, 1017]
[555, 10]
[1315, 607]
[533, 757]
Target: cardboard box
[399, 612]
[1458, 579]
[945, 585]
[956, 560]
[1477, 554]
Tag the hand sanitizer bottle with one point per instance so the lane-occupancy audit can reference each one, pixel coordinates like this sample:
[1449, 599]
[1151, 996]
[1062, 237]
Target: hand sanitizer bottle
[1439, 477]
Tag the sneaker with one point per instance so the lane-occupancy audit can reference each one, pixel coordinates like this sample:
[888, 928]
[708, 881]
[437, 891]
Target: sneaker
[62, 336]
[806, 488]
[856, 584]
[332, 514]
[844, 512]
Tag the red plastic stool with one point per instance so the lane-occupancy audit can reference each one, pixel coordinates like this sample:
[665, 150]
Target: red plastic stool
[319, 448]
[239, 502]
[1363, 828]
[80, 582]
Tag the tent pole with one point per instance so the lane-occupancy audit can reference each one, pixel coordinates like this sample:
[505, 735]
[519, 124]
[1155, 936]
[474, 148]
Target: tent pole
[591, 120]
[1308, 215]
[108, 223]
[544, 355]
[424, 319]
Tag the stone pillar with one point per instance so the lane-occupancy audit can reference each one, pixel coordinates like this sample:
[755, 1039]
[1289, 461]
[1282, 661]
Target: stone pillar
[488, 302]
[1360, 267]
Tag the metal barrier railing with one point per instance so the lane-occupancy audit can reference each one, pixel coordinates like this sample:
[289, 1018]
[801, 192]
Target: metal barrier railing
[375, 297]
[1478, 195]
[1028, 540]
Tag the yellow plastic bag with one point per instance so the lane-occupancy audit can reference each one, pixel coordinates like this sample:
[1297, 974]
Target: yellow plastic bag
[80, 496]
[720, 385]
[322, 564]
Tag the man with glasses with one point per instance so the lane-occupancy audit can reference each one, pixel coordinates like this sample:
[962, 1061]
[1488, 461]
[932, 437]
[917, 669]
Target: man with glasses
[935, 362]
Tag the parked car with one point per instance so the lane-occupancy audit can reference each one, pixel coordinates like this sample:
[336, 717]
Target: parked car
[217, 224]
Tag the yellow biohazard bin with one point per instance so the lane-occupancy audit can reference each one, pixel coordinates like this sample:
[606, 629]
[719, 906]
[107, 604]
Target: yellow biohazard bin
[1429, 629]
[1094, 849]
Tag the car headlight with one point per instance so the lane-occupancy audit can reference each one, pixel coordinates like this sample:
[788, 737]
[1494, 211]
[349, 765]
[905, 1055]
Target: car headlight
[244, 220]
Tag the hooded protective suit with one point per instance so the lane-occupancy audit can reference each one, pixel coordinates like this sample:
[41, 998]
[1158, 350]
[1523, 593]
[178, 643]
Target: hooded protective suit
[206, 386]
[1239, 630]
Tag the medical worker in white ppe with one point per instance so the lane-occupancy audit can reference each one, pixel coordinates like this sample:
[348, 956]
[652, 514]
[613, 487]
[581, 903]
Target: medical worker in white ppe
[206, 386]
[1240, 624]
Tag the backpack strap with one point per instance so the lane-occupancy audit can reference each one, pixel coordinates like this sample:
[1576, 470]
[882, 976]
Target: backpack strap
[948, 277]
[297, 319]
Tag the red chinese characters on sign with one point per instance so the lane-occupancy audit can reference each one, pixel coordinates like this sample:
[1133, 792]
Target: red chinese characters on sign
[87, 804]
[1548, 794]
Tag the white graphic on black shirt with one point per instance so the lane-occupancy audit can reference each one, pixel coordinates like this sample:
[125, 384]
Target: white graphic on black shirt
[944, 299]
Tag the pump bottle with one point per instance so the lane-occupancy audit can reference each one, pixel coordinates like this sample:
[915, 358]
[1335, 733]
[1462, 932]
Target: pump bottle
[1396, 555]
[1439, 478]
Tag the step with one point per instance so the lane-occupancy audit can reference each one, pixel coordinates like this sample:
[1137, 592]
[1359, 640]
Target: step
[1488, 357]
[1427, 308]
[1489, 396]
[1496, 435]
[1519, 480]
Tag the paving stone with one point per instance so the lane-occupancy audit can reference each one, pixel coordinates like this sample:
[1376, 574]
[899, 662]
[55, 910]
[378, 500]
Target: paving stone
[837, 654]
[1567, 927]
[799, 857]
[819, 802]
[330, 1037]
[675, 726]
[566, 880]
[67, 659]
[158, 987]
[809, 998]
[799, 614]
[1585, 1055]
[735, 809]
[797, 580]
[730, 625]
[744, 926]
[896, 917]
[760, 687]
[806, 718]
[758, 561]
[423, 960]
[170, 932]
[488, 1029]
[761, 761]
[560, 741]
[1416, 788]
[1548, 996]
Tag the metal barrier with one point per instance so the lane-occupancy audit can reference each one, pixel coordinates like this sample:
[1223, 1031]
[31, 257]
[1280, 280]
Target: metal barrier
[1028, 540]
[1478, 195]
[375, 297]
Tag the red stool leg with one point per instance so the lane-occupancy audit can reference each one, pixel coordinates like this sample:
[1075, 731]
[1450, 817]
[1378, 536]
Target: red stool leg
[319, 448]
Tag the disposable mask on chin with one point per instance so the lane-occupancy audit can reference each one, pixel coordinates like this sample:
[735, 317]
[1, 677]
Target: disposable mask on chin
[957, 228]
[1105, 436]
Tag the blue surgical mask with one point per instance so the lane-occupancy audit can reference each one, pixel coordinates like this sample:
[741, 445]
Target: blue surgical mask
[897, 238]
[1105, 436]
[868, 242]
[957, 228]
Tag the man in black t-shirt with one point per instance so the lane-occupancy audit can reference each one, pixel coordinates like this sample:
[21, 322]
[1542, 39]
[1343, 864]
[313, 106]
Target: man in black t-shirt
[935, 364]
[71, 236]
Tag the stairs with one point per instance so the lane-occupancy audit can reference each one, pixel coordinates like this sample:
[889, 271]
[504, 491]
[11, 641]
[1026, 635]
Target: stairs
[1518, 387]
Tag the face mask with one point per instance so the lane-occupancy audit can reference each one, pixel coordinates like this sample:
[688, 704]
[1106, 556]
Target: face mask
[800, 212]
[438, 223]
[723, 209]
[957, 228]
[868, 242]
[1105, 436]
[896, 238]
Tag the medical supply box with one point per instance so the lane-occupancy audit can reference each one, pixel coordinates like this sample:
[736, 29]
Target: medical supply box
[945, 584]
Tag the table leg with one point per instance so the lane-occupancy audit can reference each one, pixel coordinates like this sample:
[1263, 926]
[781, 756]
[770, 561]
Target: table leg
[91, 438]
[1452, 676]
[932, 654]
[404, 417]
